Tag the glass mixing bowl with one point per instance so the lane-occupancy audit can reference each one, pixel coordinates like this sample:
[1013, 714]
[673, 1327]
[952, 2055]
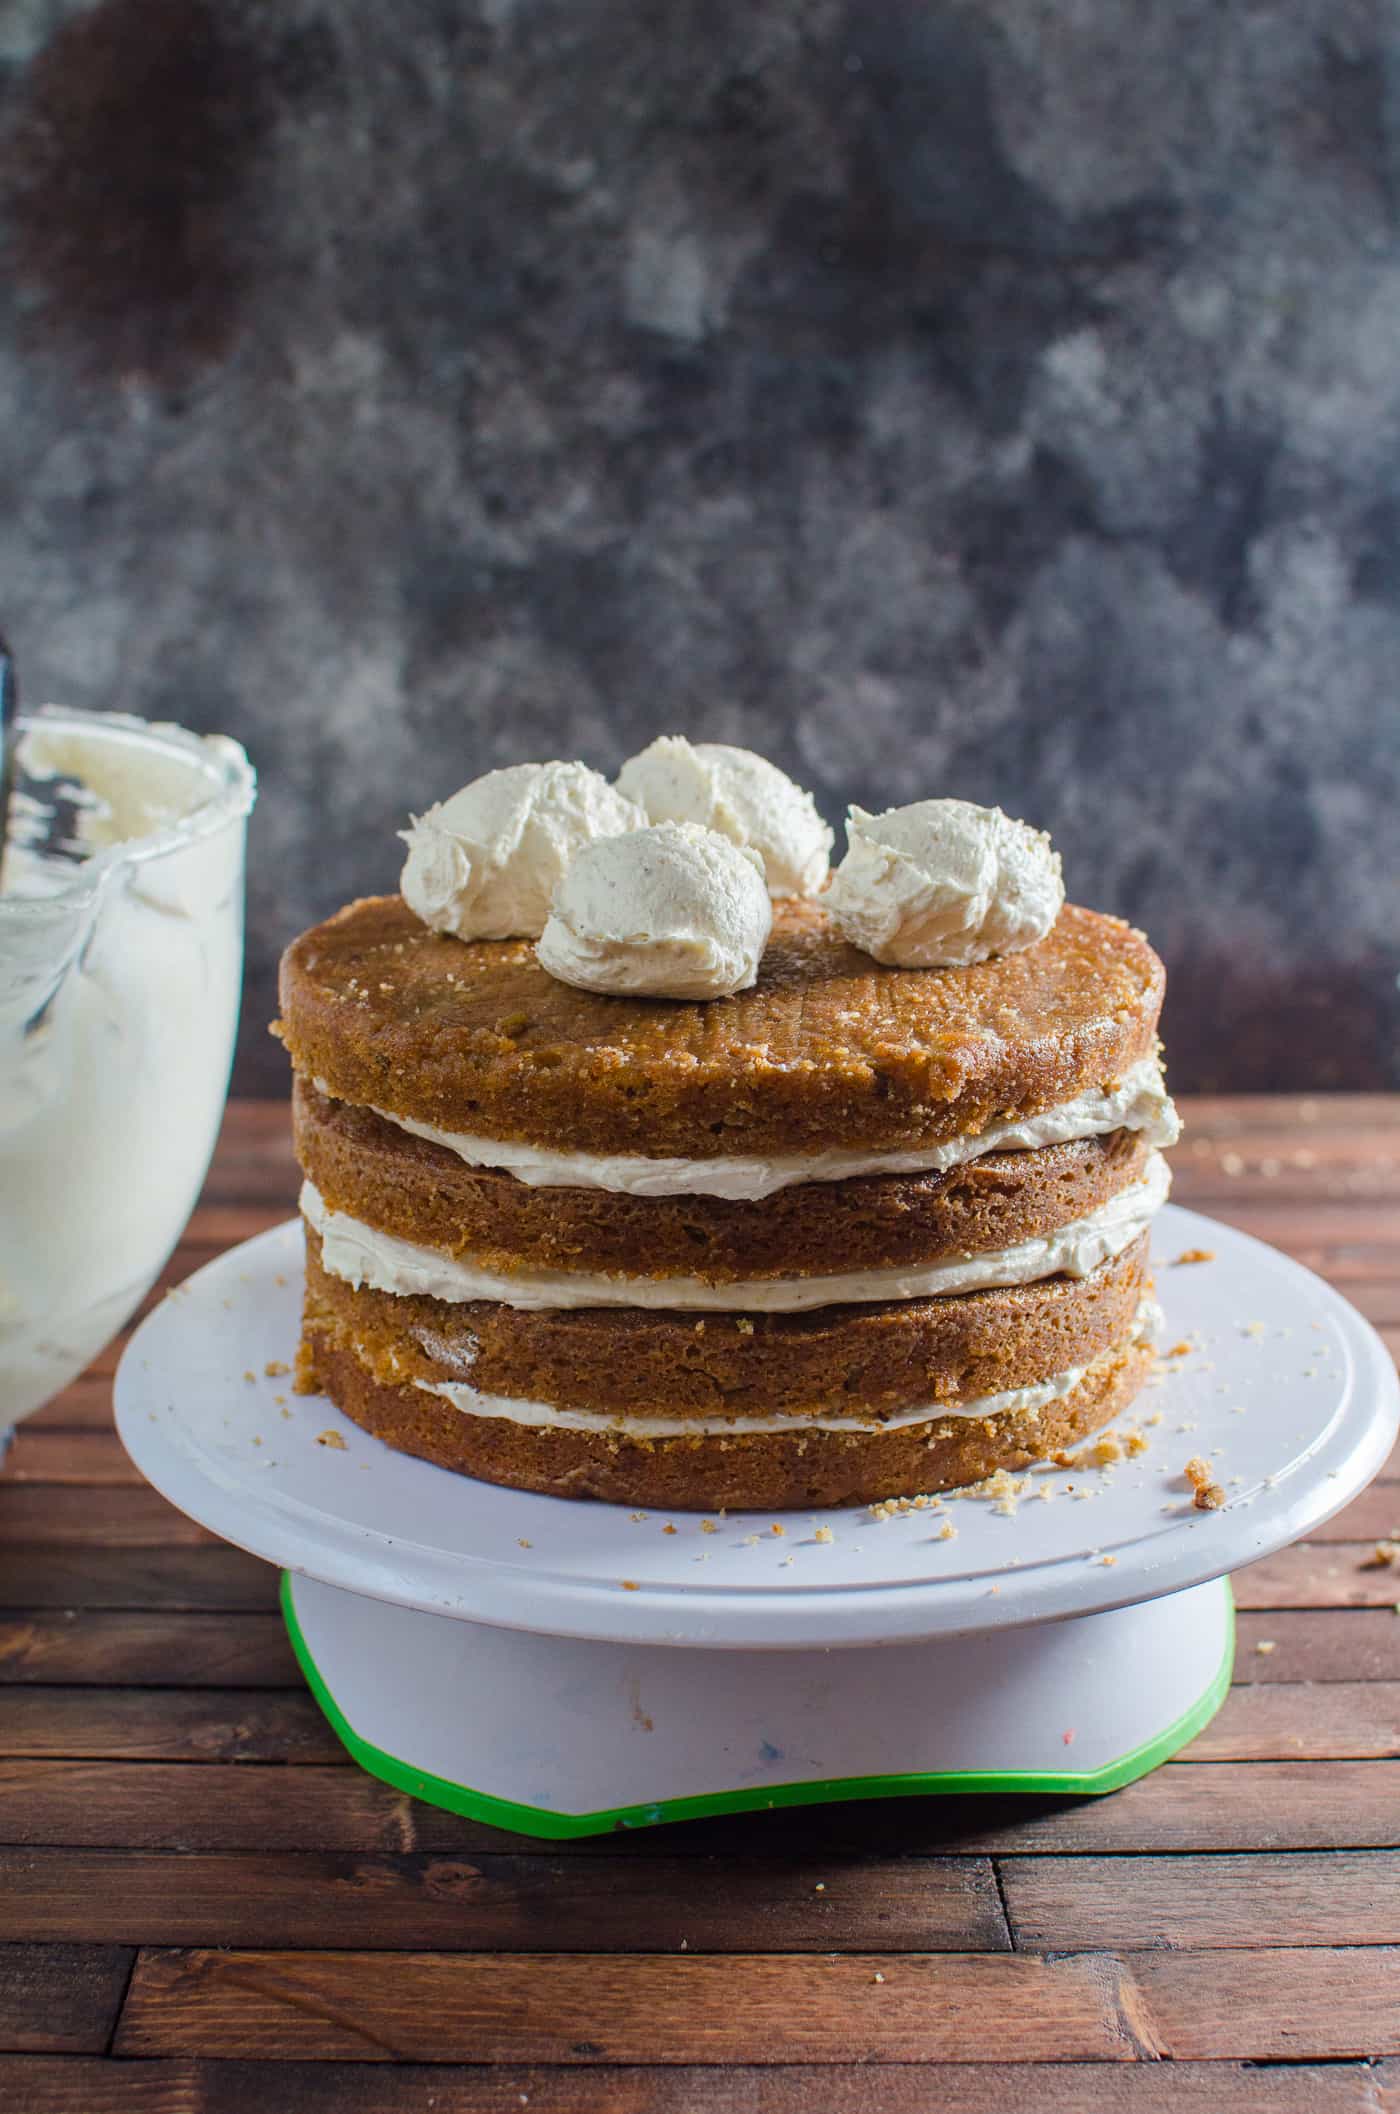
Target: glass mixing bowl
[121, 955]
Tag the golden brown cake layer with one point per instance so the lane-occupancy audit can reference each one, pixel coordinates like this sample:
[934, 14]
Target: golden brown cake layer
[829, 1047]
[420, 1192]
[768, 1471]
[842, 1360]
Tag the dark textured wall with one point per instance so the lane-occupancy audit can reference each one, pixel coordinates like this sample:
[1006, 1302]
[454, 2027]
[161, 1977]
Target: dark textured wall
[998, 399]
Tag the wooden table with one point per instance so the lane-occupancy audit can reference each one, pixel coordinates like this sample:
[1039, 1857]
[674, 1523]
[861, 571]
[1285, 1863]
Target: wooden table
[205, 1909]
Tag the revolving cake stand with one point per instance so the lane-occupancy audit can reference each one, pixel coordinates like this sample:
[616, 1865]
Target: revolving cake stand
[563, 1667]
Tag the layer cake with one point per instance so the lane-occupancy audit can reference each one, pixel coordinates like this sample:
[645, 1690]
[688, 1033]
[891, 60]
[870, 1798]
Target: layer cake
[857, 1231]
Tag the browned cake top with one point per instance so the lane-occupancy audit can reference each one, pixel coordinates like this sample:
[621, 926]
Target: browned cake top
[829, 1047]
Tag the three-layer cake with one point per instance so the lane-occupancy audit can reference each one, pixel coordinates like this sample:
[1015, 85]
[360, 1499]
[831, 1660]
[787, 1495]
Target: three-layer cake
[857, 1231]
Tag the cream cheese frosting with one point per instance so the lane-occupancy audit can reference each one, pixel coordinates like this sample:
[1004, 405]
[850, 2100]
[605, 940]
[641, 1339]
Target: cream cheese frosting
[669, 911]
[742, 796]
[1138, 1102]
[943, 883]
[361, 1255]
[485, 863]
[1014, 1401]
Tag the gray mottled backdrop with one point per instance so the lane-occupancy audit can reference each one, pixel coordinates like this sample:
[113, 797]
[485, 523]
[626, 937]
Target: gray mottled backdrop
[998, 399]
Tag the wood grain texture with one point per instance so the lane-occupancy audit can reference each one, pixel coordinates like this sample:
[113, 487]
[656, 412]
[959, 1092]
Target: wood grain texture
[212, 1576]
[753, 2008]
[162, 1724]
[1184, 1806]
[1317, 2002]
[1322, 1644]
[191, 2085]
[67, 1516]
[67, 1456]
[128, 1648]
[1315, 1898]
[1319, 1575]
[529, 1902]
[60, 1997]
[1334, 1721]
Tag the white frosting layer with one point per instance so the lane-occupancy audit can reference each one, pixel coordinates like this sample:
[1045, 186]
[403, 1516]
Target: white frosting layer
[942, 884]
[1018, 1401]
[743, 796]
[361, 1255]
[1138, 1102]
[485, 863]
[672, 911]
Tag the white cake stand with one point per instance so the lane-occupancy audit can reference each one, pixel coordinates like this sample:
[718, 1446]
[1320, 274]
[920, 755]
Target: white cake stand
[520, 1658]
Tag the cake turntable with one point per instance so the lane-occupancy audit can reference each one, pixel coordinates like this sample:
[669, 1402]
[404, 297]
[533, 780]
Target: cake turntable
[565, 1668]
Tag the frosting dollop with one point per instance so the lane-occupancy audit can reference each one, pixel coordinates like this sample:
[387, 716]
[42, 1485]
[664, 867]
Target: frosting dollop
[944, 883]
[484, 864]
[672, 911]
[742, 796]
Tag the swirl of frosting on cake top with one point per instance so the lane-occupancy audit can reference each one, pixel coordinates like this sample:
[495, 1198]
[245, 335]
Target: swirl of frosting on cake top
[942, 884]
[742, 796]
[673, 911]
[485, 864]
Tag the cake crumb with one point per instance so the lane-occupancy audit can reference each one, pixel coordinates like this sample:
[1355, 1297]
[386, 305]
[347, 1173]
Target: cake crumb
[1207, 1495]
[522, 1543]
[877, 1977]
[276, 1368]
[947, 1532]
[777, 1529]
[707, 1526]
[668, 1528]
[1135, 1444]
[1107, 1449]
[333, 1439]
[1179, 1350]
[1266, 1645]
[630, 1585]
[1108, 1561]
[636, 1518]
[744, 1325]
[823, 1534]
[1193, 1255]
[1382, 1556]
[251, 1377]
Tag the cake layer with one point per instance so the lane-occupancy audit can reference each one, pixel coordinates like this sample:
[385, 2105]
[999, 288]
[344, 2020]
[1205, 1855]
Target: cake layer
[768, 1471]
[829, 1048]
[367, 1169]
[1137, 1102]
[363, 1255]
[629, 1361]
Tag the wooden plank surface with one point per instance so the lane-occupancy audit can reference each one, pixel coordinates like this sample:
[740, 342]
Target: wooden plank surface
[204, 1907]
[193, 2085]
[61, 1997]
[454, 2007]
[514, 1902]
[1317, 1898]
